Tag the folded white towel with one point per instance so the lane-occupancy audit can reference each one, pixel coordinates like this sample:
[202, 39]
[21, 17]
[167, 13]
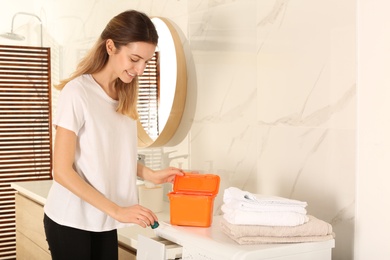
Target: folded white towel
[253, 200]
[249, 206]
[275, 218]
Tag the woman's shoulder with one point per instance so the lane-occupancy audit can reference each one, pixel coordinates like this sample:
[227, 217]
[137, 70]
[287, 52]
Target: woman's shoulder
[76, 89]
[79, 84]
[83, 80]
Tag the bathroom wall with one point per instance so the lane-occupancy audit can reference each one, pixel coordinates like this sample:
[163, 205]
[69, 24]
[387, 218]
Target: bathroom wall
[271, 104]
[306, 109]
[372, 193]
[276, 102]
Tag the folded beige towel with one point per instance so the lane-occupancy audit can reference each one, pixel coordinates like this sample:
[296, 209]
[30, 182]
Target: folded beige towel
[312, 231]
[280, 240]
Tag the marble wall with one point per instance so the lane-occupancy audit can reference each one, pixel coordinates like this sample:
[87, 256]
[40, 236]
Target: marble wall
[275, 109]
[306, 109]
[271, 104]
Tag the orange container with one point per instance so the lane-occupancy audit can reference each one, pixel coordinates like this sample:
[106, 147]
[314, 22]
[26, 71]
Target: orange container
[192, 199]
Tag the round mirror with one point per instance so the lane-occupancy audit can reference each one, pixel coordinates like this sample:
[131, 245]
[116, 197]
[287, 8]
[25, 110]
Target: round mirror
[163, 89]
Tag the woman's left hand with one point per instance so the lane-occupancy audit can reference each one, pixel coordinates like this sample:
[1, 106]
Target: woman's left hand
[166, 175]
[159, 176]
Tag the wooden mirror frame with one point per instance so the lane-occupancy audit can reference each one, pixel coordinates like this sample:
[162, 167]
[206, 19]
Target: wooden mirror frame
[178, 104]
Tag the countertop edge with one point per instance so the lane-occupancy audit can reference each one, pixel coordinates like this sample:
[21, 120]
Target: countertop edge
[35, 190]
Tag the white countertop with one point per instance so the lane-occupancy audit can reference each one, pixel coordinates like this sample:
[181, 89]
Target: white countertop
[207, 243]
[35, 190]
[216, 245]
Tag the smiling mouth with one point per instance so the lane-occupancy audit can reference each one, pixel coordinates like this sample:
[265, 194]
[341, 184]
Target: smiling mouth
[130, 74]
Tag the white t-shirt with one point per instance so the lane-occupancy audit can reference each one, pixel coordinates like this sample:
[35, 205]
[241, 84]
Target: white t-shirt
[106, 155]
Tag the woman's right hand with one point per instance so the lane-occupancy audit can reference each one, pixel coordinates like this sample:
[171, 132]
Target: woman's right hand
[136, 214]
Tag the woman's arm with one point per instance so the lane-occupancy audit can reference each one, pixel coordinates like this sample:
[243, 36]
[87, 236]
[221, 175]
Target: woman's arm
[158, 177]
[64, 174]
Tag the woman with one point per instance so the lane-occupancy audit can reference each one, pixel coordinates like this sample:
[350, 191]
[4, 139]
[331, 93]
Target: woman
[95, 152]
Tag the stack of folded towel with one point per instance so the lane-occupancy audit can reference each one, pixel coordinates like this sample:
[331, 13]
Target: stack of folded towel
[253, 218]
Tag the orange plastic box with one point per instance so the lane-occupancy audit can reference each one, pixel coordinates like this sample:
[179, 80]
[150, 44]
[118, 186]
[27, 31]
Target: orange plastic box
[192, 199]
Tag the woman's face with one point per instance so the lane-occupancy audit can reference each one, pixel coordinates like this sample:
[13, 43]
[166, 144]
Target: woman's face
[130, 60]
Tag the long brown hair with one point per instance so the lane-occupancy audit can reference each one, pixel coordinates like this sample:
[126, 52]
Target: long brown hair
[126, 27]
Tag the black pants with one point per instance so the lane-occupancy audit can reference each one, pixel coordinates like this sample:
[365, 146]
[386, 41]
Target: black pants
[66, 243]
